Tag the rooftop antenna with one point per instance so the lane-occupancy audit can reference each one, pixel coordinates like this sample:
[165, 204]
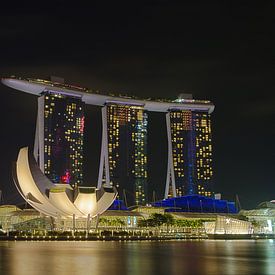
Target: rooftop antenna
[125, 198]
[154, 196]
[238, 203]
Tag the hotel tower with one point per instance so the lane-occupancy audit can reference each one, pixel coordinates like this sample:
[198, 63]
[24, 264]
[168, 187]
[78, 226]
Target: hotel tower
[59, 137]
[189, 153]
[124, 151]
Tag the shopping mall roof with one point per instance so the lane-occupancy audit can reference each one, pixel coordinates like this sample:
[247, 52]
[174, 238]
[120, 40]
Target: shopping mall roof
[196, 203]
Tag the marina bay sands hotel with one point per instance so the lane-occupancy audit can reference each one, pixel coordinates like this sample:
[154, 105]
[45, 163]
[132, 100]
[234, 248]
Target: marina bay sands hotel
[58, 146]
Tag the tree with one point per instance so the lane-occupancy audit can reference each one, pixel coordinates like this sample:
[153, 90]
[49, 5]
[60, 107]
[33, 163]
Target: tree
[142, 223]
[169, 220]
[104, 222]
[119, 222]
[158, 219]
[189, 223]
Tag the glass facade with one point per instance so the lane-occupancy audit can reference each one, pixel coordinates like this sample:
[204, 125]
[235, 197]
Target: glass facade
[192, 152]
[63, 138]
[127, 150]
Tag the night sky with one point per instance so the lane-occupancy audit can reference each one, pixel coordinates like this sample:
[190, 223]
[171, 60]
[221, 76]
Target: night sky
[221, 52]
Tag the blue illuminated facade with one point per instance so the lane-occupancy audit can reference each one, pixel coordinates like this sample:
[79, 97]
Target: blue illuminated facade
[118, 205]
[196, 204]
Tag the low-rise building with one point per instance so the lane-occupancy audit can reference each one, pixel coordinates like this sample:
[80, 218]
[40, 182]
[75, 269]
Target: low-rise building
[262, 217]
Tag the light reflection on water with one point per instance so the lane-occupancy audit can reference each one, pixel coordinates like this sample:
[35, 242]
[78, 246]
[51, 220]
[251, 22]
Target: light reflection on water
[174, 257]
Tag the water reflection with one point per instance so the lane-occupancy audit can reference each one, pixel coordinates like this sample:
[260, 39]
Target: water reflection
[177, 257]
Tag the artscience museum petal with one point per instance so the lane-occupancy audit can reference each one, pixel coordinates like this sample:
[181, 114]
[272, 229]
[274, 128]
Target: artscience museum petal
[58, 200]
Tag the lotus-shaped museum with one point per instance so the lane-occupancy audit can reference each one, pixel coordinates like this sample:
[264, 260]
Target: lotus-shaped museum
[58, 200]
